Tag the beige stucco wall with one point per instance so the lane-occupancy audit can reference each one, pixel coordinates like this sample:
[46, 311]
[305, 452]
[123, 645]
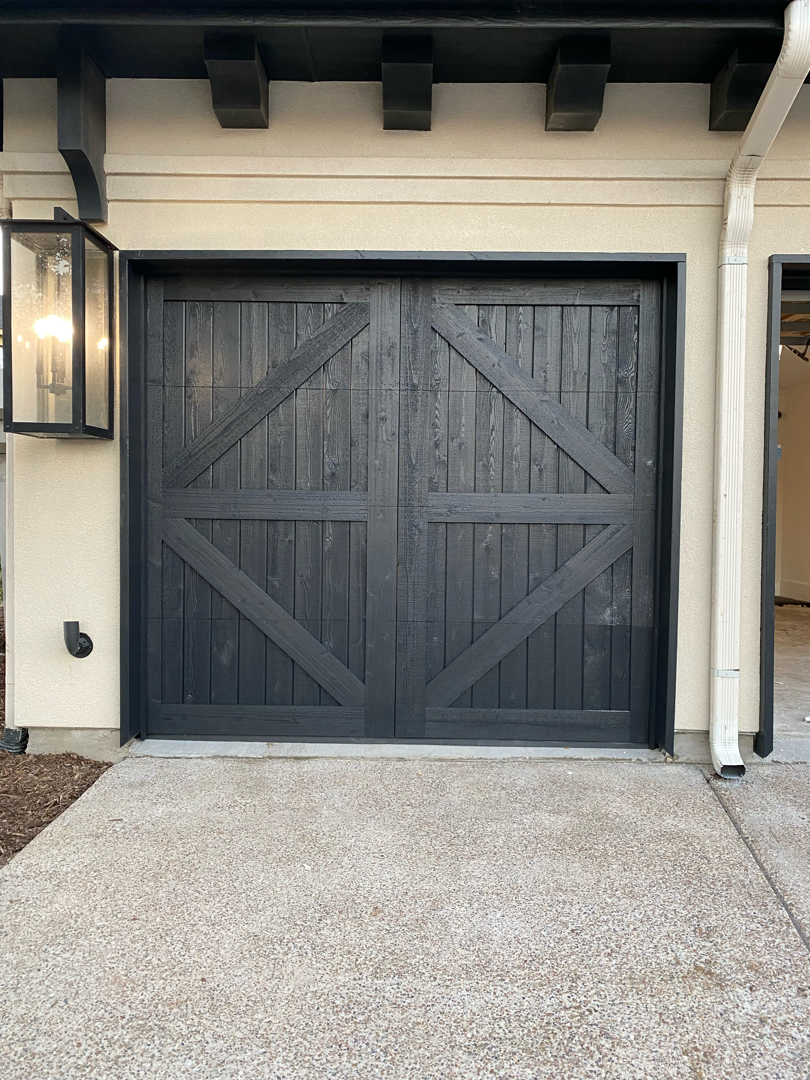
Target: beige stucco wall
[325, 175]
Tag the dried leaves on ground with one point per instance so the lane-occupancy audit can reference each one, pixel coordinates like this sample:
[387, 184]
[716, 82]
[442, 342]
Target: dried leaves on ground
[36, 788]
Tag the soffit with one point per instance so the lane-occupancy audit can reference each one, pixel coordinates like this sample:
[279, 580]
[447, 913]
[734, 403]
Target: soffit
[474, 40]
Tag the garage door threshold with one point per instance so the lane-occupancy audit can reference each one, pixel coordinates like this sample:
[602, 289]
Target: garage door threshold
[189, 748]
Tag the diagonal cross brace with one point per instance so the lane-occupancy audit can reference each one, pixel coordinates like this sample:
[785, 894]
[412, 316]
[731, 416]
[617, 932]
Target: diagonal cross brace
[277, 385]
[524, 392]
[262, 610]
[531, 612]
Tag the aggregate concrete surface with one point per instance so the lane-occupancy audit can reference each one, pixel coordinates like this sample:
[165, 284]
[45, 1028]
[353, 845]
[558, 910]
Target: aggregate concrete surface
[407, 920]
[772, 808]
[791, 669]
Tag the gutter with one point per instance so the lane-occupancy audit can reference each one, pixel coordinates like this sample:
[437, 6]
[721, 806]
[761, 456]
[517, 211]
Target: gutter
[785, 81]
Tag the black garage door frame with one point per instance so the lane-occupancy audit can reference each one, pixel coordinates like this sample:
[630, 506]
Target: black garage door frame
[136, 266]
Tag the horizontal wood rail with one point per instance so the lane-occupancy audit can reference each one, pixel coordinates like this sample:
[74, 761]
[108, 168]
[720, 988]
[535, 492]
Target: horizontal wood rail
[568, 726]
[257, 721]
[529, 509]
[575, 718]
[267, 505]
[489, 508]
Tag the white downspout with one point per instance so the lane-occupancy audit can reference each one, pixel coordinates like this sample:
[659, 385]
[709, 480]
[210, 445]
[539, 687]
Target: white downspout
[784, 84]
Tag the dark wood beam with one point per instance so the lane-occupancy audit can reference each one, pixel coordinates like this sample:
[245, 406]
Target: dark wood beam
[238, 80]
[407, 82]
[739, 85]
[559, 14]
[82, 125]
[575, 92]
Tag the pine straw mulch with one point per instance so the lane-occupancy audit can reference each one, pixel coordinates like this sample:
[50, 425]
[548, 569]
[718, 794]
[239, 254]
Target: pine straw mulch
[36, 788]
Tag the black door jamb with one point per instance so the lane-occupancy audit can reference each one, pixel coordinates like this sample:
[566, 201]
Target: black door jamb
[785, 272]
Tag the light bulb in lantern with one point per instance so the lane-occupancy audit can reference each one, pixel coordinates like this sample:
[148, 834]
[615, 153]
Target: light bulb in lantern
[54, 326]
[102, 345]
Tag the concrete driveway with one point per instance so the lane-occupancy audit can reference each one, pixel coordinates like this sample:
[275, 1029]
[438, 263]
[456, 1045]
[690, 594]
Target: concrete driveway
[345, 919]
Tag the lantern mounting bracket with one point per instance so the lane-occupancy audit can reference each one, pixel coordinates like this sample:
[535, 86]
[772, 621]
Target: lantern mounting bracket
[82, 123]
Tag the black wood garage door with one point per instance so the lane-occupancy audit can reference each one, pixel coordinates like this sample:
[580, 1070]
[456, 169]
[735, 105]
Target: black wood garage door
[401, 508]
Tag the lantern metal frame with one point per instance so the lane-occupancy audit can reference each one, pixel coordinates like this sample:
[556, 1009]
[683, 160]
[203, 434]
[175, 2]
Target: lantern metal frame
[77, 428]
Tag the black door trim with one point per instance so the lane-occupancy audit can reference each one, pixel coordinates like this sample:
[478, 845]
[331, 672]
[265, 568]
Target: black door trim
[784, 271]
[135, 266]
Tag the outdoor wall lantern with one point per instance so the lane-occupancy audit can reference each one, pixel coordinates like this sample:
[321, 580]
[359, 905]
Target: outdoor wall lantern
[58, 331]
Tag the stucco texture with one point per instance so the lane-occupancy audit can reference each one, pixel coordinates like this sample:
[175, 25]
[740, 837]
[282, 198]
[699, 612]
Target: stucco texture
[326, 176]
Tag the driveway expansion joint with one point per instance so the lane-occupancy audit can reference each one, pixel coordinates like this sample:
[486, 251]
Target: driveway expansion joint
[715, 784]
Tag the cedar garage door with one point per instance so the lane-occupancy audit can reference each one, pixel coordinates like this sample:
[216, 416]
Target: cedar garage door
[401, 508]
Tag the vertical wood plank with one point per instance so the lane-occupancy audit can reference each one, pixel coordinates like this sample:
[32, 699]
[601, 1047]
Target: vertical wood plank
[461, 428]
[598, 595]
[570, 538]
[309, 477]
[516, 479]
[225, 476]
[415, 367]
[488, 478]
[198, 383]
[541, 646]
[337, 375]
[359, 482]
[625, 451]
[174, 631]
[280, 477]
[383, 482]
[155, 569]
[253, 354]
[643, 582]
[437, 533]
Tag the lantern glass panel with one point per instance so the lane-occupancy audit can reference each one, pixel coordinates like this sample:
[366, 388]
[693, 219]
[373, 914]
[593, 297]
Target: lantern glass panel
[96, 335]
[42, 327]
